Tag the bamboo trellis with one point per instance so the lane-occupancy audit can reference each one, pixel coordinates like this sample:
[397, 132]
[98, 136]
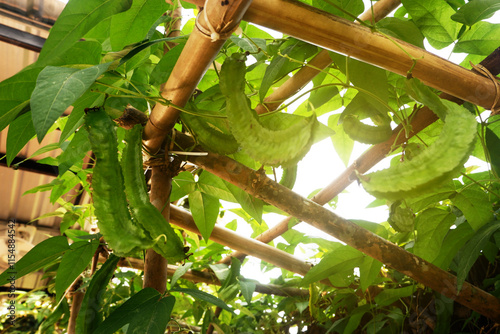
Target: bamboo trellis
[342, 36]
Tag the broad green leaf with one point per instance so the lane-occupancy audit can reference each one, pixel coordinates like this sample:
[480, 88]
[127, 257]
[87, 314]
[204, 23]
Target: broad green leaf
[403, 29]
[132, 25]
[482, 39]
[21, 131]
[432, 226]
[82, 52]
[56, 89]
[342, 143]
[215, 186]
[38, 257]
[15, 94]
[423, 94]
[372, 79]
[251, 45]
[78, 18]
[205, 209]
[454, 240]
[90, 315]
[348, 9]
[134, 310]
[340, 260]
[73, 263]
[492, 145]
[181, 270]
[280, 66]
[389, 296]
[75, 119]
[475, 205]
[153, 318]
[433, 19]
[253, 206]
[355, 318]
[75, 152]
[471, 251]
[162, 70]
[321, 95]
[48, 325]
[197, 294]
[247, 289]
[369, 271]
[475, 11]
[67, 181]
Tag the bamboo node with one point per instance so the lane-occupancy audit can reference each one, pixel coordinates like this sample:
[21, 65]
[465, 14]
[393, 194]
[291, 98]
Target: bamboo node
[485, 72]
[221, 32]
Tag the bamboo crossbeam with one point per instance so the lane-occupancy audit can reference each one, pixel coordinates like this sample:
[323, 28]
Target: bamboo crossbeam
[197, 276]
[339, 35]
[422, 271]
[319, 62]
[235, 241]
[199, 52]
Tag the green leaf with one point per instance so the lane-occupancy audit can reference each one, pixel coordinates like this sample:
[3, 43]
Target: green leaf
[153, 318]
[197, 294]
[471, 251]
[181, 270]
[342, 143]
[90, 315]
[21, 131]
[38, 257]
[368, 271]
[253, 206]
[182, 185]
[47, 326]
[475, 11]
[389, 296]
[78, 18]
[372, 79]
[454, 240]
[133, 25]
[340, 7]
[56, 89]
[145, 306]
[205, 209]
[215, 186]
[82, 52]
[75, 152]
[424, 95]
[251, 45]
[247, 289]
[432, 226]
[342, 259]
[15, 94]
[73, 264]
[492, 145]
[403, 29]
[482, 39]
[475, 205]
[433, 19]
[162, 70]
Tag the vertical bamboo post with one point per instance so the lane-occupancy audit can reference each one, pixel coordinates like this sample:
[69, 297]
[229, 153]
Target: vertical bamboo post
[213, 26]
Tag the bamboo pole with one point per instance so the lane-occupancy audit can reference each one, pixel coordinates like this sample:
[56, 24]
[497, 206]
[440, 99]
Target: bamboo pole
[213, 27]
[155, 265]
[233, 240]
[339, 35]
[197, 276]
[321, 61]
[260, 186]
